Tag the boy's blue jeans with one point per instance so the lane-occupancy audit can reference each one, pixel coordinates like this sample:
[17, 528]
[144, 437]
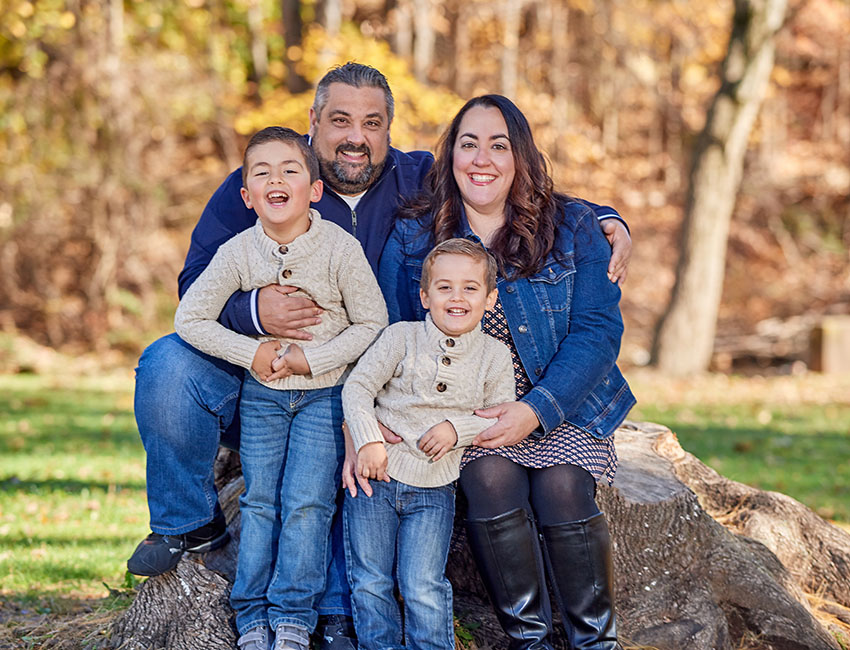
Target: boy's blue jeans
[187, 403]
[408, 528]
[292, 450]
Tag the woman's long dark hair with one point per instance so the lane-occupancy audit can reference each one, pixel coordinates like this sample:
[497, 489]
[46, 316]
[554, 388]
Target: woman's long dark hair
[521, 245]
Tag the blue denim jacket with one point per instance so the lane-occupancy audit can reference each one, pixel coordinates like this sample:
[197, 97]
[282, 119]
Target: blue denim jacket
[565, 320]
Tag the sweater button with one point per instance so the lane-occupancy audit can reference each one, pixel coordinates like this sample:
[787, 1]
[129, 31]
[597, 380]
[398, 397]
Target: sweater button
[287, 273]
[441, 387]
[446, 361]
[283, 249]
[450, 343]
[522, 329]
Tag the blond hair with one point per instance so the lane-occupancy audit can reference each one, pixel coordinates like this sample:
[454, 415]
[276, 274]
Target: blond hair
[458, 246]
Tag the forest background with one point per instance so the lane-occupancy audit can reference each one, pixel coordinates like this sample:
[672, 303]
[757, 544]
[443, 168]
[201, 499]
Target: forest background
[118, 119]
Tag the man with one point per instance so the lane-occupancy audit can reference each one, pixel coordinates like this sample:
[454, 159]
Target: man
[186, 403]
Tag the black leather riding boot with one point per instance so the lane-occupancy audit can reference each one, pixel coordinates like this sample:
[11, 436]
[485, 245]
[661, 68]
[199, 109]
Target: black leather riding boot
[507, 553]
[579, 557]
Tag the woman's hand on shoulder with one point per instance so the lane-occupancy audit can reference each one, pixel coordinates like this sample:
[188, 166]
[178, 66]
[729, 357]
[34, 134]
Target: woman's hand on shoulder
[621, 249]
[516, 421]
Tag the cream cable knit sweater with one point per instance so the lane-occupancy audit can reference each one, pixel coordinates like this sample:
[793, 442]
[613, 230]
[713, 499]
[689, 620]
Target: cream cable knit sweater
[415, 376]
[325, 263]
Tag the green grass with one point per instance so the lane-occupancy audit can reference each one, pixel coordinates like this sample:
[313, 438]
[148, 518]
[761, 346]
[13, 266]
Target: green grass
[787, 434]
[72, 500]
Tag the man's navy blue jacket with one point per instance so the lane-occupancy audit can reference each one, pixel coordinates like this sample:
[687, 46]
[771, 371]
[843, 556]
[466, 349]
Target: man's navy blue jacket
[226, 215]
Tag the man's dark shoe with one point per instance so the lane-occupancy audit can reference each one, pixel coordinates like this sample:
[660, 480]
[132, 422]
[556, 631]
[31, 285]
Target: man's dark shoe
[336, 632]
[160, 553]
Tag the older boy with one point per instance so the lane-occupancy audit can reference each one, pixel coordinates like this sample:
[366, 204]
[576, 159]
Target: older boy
[291, 444]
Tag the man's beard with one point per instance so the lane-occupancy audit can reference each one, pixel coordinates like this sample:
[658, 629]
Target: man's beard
[342, 178]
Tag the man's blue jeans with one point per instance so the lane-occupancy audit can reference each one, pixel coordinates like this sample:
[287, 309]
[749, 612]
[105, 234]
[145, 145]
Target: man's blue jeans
[187, 403]
[292, 450]
[408, 528]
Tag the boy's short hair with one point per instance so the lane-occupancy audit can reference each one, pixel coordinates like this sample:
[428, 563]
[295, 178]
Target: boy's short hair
[459, 246]
[282, 134]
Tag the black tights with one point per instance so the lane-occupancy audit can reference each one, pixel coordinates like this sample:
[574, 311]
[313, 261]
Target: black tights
[494, 485]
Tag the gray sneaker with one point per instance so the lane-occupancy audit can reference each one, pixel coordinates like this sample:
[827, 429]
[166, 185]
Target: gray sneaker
[255, 639]
[291, 637]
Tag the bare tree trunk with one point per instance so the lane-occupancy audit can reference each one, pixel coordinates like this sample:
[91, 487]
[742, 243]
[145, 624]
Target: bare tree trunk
[701, 563]
[292, 36]
[685, 336]
[560, 17]
[403, 40]
[259, 48]
[460, 38]
[330, 17]
[423, 45]
[510, 51]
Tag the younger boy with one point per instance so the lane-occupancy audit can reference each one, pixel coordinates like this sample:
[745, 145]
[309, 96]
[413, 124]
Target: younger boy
[291, 447]
[423, 380]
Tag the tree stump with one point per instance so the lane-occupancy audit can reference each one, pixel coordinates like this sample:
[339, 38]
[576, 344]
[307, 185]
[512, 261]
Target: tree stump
[701, 562]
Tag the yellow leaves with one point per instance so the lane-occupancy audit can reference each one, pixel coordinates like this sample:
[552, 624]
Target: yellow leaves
[782, 76]
[17, 29]
[421, 110]
[67, 20]
[25, 9]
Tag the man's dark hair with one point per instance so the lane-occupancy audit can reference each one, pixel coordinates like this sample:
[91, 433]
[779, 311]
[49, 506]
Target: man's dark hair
[357, 75]
[282, 134]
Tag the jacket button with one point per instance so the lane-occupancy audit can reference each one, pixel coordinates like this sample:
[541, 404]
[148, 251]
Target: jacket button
[538, 370]
[287, 273]
[283, 249]
[446, 361]
[441, 387]
[450, 343]
[510, 288]
[522, 329]
[598, 430]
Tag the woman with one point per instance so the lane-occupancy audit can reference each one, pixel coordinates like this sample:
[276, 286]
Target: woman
[559, 314]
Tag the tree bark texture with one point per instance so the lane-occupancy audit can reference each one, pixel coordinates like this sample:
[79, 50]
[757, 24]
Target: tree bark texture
[293, 37]
[423, 45]
[701, 563]
[685, 336]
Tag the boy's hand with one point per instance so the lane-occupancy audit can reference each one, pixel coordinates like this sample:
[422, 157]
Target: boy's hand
[264, 357]
[439, 440]
[372, 462]
[389, 436]
[295, 359]
[350, 480]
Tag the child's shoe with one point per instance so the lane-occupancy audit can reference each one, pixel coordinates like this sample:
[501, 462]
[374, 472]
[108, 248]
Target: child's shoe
[258, 638]
[291, 637]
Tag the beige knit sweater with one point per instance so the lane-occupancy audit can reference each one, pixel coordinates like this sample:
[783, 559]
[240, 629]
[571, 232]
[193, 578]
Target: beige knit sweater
[415, 376]
[325, 263]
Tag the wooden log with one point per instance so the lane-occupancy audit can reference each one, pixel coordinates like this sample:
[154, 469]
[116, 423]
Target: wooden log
[702, 563]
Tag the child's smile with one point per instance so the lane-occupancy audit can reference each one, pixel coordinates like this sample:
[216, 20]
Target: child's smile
[279, 190]
[457, 295]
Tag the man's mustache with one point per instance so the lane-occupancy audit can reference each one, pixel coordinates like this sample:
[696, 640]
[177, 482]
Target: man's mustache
[354, 148]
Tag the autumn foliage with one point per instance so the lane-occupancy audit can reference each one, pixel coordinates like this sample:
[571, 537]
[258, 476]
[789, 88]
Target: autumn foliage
[119, 118]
